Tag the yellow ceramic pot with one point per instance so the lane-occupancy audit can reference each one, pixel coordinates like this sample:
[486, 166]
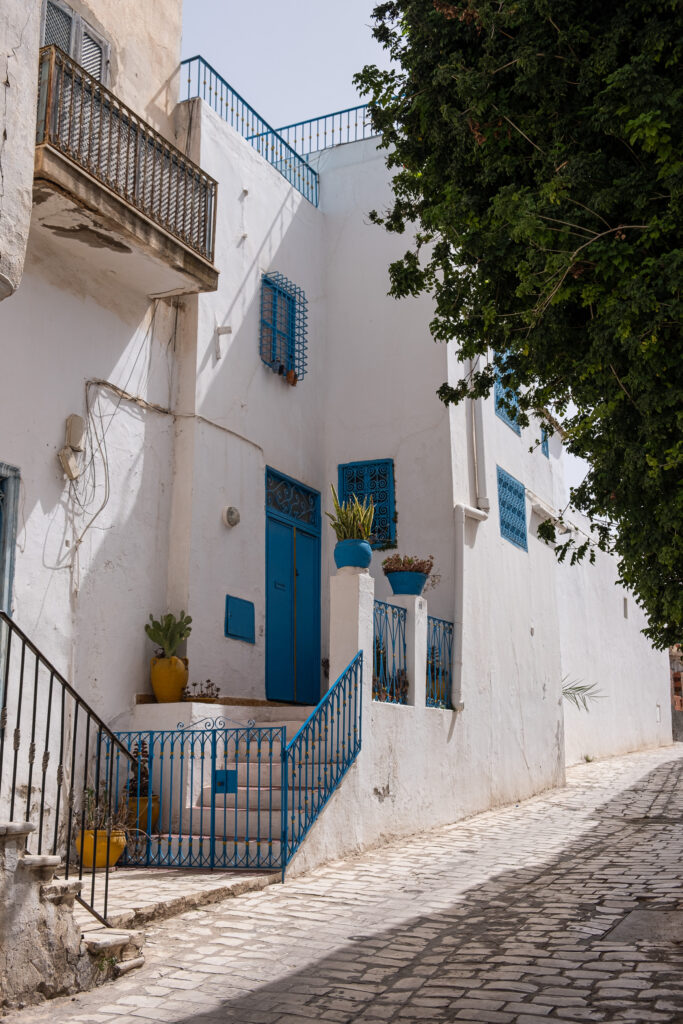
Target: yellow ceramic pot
[137, 812]
[116, 847]
[169, 678]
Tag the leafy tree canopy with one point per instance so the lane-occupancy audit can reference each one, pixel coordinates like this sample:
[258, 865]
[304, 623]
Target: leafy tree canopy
[537, 154]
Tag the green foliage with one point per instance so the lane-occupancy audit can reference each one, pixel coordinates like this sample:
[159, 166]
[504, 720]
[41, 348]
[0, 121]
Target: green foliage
[580, 694]
[168, 632]
[536, 151]
[352, 519]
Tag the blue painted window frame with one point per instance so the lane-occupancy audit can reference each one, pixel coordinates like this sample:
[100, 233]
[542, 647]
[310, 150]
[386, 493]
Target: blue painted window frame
[545, 445]
[243, 611]
[512, 509]
[283, 330]
[385, 506]
[9, 506]
[502, 394]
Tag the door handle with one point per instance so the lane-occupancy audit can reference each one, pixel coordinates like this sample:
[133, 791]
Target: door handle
[279, 586]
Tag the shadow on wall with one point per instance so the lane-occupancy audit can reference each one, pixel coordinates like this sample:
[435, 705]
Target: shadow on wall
[503, 937]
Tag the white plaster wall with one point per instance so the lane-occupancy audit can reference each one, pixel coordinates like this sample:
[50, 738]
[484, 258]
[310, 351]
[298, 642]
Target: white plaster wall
[19, 39]
[91, 557]
[602, 646]
[249, 417]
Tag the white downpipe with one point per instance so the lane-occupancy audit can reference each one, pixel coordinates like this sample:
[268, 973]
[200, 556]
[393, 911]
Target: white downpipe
[462, 512]
[478, 451]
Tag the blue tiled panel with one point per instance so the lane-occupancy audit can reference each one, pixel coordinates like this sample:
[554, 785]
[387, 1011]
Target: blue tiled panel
[500, 393]
[239, 619]
[512, 509]
[374, 479]
[284, 318]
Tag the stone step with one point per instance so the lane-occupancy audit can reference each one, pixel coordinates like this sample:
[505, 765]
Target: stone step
[61, 891]
[41, 866]
[185, 850]
[251, 796]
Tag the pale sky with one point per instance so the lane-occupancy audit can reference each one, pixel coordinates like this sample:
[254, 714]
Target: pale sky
[290, 59]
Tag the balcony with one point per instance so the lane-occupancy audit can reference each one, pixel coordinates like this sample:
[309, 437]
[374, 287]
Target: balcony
[106, 179]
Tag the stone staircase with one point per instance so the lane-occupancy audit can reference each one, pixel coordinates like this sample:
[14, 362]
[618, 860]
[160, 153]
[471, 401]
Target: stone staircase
[42, 950]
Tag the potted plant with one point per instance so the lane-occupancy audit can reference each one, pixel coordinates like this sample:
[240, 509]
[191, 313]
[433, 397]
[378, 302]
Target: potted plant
[168, 673]
[352, 524]
[407, 574]
[139, 796]
[202, 693]
[103, 829]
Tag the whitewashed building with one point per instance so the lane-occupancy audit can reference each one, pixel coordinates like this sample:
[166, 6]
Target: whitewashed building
[207, 297]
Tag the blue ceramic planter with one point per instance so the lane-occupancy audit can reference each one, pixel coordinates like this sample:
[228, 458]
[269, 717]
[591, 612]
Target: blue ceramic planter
[407, 582]
[356, 553]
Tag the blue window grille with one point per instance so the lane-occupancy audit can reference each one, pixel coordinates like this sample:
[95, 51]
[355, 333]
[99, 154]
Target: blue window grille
[502, 395]
[512, 509]
[373, 480]
[545, 447]
[9, 503]
[389, 675]
[439, 662]
[284, 316]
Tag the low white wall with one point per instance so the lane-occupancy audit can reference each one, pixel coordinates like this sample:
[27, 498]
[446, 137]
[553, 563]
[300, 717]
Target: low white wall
[603, 645]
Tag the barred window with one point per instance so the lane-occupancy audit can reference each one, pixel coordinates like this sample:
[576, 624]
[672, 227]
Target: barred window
[374, 480]
[284, 316]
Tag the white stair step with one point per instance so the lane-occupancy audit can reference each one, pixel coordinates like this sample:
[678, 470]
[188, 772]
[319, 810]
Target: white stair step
[252, 797]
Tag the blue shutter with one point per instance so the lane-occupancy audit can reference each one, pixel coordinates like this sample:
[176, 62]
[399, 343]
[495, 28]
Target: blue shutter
[501, 394]
[239, 619]
[512, 509]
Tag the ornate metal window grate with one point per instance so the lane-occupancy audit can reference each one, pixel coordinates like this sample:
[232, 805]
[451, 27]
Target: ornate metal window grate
[512, 509]
[292, 501]
[373, 480]
[284, 316]
[503, 395]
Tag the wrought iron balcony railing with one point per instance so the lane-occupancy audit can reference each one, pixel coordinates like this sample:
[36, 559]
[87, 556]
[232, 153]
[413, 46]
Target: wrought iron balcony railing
[205, 82]
[329, 130]
[86, 123]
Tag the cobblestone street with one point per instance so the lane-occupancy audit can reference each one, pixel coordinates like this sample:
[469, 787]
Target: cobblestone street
[507, 917]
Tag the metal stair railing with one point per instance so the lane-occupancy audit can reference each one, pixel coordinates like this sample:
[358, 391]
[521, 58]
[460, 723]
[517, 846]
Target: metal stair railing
[319, 755]
[61, 767]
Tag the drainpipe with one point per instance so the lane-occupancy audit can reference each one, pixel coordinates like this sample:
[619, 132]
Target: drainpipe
[478, 453]
[462, 512]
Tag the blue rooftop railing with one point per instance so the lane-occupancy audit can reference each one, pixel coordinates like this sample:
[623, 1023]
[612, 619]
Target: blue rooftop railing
[204, 81]
[350, 125]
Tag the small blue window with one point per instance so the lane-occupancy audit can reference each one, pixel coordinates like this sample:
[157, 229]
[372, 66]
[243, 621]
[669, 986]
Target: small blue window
[545, 446]
[373, 480]
[512, 509]
[239, 619]
[284, 316]
[501, 394]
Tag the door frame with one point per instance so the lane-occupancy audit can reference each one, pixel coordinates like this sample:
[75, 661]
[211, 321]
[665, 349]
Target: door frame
[312, 530]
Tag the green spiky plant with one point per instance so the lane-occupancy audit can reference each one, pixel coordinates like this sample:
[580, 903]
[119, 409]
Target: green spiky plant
[352, 519]
[168, 632]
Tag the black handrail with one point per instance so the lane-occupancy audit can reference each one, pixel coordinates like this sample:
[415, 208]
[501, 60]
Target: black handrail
[45, 719]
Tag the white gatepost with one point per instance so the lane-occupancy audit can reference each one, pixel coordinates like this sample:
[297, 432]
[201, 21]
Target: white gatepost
[352, 602]
[416, 645]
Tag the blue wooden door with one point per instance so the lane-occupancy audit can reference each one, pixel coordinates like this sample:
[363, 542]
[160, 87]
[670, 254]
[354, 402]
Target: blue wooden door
[292, 591]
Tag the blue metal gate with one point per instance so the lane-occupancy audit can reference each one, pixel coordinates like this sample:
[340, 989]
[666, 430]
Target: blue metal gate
[207, 796]
[215, 796]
